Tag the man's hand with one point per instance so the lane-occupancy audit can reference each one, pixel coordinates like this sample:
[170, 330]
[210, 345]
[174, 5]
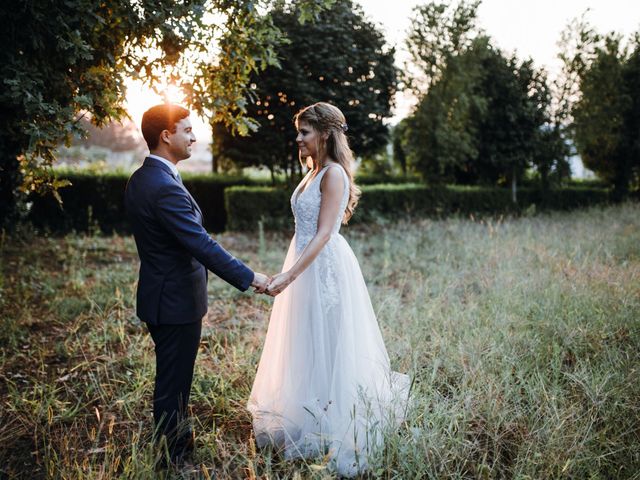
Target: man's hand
[260, 281]
[278, 283]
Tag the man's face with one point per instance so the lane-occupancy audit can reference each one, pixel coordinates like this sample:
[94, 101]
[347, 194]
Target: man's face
[180, 142]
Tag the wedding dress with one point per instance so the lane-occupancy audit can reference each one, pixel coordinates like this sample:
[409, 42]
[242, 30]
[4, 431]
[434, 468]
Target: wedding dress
[324, 386]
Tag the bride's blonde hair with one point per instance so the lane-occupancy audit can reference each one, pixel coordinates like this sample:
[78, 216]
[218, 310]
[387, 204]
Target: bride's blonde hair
[328, 120]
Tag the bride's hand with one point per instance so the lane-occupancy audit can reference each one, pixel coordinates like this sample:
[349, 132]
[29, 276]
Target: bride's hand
[278, 283]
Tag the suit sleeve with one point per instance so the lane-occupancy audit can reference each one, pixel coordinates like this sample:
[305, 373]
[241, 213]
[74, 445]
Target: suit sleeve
[174, 212]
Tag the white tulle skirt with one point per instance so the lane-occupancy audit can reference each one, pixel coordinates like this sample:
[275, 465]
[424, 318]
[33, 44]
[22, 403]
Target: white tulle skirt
[324, 386]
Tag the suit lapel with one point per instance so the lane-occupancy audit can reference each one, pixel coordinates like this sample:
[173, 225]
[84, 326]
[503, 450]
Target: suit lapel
[152, 162]
[195, 204]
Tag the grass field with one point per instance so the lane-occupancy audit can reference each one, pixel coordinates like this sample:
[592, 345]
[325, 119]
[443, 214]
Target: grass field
[522, 337]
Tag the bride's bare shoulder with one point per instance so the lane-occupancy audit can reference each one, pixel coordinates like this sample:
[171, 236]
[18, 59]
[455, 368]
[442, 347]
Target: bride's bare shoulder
[332, 178]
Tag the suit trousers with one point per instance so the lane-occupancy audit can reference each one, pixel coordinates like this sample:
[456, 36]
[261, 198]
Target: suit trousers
[176, 347]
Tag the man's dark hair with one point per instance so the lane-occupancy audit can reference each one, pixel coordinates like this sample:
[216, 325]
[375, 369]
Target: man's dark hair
[159, 118]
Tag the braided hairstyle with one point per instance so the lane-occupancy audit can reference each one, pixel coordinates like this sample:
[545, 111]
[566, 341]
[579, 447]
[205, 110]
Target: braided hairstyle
[329, 121]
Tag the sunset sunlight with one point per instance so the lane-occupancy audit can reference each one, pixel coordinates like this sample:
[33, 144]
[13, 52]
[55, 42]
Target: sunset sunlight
[350, 239]
[141, 97]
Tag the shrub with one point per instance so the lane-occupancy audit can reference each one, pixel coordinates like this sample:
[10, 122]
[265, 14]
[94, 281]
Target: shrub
[380, 178]
[208, 190]
[96, 201]
[247, 206]
[92, 200]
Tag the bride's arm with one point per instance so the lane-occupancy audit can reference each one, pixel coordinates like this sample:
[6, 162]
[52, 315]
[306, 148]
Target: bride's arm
[332, 185]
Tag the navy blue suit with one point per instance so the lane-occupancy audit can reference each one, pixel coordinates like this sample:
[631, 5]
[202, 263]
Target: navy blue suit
[175, 250]
[175, 253]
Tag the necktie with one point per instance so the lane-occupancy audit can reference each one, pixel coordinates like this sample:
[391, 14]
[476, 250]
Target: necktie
[179, 178]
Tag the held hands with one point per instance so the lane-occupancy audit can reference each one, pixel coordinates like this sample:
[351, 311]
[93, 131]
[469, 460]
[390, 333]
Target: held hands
[260, 281]
[278, 283]
[271, 285]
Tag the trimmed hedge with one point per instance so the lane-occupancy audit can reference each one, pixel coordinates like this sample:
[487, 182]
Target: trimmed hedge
[97, 201]
[246, 206]
[90, 201]
[379, 178]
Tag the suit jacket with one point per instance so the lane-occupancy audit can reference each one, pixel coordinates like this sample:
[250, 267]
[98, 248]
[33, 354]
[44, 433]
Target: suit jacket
[174, 248]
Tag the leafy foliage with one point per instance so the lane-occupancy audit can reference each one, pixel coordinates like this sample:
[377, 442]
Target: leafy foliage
[62, 59]
[441, 136]
[68, 57]
[606, 113]
[439, 33]
[484, 118]
[340, 58]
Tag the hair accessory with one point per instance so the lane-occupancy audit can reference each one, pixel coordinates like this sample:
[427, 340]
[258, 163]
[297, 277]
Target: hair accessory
[344, 127]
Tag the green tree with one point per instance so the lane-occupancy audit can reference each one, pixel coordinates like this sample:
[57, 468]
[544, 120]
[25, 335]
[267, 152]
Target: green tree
[606, 114]
[483, 117]
[341, 58]
[397, 141]
[439, 33]
[61, 59]
[550, 156]
[441, 138]
[513, 130]
[443, 43]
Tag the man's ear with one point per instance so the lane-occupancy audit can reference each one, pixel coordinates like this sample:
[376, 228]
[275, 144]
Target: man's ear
[165, 136]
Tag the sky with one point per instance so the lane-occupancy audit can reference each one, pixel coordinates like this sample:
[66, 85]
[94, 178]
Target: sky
[530, 28]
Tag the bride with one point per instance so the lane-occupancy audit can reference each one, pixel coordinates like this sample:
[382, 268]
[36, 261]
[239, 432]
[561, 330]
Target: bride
[324, 386]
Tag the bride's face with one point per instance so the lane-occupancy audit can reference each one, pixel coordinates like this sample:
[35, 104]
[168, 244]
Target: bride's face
[308, 139]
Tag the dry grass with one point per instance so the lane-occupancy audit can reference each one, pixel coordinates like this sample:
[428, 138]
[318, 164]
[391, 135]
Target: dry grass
[522, 337]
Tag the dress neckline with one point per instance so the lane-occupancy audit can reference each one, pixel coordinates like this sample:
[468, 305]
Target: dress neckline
[308, 183]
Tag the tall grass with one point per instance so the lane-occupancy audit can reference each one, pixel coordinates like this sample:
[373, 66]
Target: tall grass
[522, 337]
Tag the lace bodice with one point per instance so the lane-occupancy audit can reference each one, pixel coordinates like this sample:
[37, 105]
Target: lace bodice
[306, 207]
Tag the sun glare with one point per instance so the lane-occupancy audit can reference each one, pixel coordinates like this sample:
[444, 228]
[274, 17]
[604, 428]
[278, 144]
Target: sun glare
[172, 94]
[140, 98]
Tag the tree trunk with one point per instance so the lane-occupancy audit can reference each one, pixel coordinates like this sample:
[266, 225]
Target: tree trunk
[214, 163]
[544, 178]
[544, 184]
[514, 188]
[621, 180]
[10, 181]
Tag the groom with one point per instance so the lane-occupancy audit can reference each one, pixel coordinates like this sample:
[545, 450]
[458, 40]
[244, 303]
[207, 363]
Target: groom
[175, 254]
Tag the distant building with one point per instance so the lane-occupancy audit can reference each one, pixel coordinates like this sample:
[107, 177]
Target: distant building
[578, 170]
